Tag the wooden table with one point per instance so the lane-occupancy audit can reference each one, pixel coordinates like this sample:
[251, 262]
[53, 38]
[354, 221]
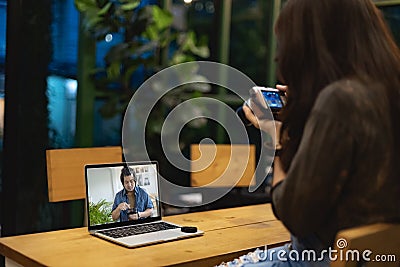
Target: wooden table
[229, 233]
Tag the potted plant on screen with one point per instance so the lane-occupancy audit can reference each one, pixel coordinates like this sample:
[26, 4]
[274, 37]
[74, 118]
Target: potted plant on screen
[100, 212]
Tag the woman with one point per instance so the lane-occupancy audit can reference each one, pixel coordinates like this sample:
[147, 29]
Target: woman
[340, 133]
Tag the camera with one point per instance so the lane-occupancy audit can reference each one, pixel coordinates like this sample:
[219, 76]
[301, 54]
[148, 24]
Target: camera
[261, 99]
[131, 211]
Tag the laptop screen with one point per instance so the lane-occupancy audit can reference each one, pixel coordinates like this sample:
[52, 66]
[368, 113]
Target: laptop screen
[122, 193]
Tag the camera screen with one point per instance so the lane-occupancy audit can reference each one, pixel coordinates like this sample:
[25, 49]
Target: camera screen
[272, 99]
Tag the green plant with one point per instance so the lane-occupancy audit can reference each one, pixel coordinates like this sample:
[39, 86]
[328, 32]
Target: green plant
[149, 44]
[147, 35]
[100, 212]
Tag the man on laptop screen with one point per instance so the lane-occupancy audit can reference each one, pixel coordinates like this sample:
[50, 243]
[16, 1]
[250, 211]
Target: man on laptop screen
[132, 202]
[121, 191]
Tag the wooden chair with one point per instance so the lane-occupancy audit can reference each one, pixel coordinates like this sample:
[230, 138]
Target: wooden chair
[383, 240]
[66, 172]
[225, 161]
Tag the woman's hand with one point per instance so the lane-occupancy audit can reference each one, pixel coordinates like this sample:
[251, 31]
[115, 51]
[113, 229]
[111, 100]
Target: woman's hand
[281, 87]
[250, 116]
[271, 127]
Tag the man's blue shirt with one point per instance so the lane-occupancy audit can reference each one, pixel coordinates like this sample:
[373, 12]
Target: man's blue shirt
[143, 202]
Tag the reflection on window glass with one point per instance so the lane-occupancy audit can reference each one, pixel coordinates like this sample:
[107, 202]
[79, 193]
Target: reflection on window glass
[1, 109]
[61, 92]
[64, 27]
[3, 21]
[200, 16]
[249, 31]
[107, 130]
[62, 84]
[392, 16]
[249, 38]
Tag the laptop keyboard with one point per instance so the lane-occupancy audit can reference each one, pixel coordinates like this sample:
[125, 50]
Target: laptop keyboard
[138, 229]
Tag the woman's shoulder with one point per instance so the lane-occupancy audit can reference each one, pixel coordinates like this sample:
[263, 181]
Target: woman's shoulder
[352, 98]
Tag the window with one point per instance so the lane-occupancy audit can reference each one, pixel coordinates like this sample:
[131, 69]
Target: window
[3, 22]
[392, 16]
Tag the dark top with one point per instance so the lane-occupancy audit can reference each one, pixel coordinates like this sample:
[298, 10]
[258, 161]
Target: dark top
[338, 177]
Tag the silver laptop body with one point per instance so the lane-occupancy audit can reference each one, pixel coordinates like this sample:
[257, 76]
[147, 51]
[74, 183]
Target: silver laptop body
[102, 185]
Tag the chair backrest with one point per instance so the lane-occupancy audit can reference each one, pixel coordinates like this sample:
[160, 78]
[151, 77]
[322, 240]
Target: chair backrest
[375, 244]
[66, 172]
[225, 161]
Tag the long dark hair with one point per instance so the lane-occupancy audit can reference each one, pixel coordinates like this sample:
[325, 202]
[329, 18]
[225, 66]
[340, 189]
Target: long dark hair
[323, 41]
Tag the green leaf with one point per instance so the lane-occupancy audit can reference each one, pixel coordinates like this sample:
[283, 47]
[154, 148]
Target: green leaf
[186, 40]
[100, 212]
[113, 71]
[105, 9]
[162, 18]
[130, 6]
[84, 5]
[90, 22]
[180, 58]
[202, 51]
[151, 32]
[188, 43]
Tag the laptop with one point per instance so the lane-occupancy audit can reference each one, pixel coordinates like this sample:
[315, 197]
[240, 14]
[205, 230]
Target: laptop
[140, 223]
